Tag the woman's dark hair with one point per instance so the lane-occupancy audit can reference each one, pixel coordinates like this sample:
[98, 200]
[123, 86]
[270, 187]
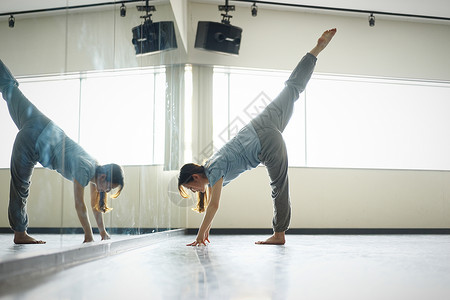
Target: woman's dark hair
[114, 175]
[102, 203]
[185, 176]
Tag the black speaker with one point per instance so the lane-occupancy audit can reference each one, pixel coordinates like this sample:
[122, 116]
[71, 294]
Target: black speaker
[149, 38]
[218, 37]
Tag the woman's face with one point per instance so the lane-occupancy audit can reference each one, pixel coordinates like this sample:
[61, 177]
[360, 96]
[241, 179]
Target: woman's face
[196, 185]
[105, 186]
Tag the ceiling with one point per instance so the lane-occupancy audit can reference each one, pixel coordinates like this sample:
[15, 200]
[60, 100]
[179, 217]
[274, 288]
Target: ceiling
[436, 8]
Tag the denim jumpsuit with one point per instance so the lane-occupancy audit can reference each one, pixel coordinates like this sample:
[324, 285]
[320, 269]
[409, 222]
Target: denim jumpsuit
[38, 140]
[261, 141]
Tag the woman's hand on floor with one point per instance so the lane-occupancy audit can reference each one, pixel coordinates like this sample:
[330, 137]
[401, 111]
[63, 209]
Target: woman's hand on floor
[199, 242]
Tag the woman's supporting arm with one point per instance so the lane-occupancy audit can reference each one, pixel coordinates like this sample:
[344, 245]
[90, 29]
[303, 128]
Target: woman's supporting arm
[80, 206]
[97, 214]
[211, 209]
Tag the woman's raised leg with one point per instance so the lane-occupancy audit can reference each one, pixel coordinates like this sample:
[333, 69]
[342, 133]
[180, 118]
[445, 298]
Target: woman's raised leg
[323, 41]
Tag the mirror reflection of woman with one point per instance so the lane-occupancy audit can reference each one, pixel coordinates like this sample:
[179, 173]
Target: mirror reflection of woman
[260, 141]
[40, 140]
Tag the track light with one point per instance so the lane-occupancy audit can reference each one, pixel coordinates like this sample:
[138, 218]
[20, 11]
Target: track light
[11, 21]
[371, 20]
[254, 10]
[123, 10]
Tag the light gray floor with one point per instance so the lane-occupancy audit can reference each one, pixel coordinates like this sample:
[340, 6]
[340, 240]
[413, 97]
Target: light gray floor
[232, 267]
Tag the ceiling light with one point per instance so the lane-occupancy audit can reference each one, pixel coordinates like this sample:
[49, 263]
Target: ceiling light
[371, 20]
[123, 10]
[11, 21]
[254, 10]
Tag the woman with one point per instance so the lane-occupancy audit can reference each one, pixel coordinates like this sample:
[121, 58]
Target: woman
[41, 140]
[260, 141]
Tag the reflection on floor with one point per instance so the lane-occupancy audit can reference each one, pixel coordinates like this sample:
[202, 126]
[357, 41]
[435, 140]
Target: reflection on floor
[233, 267]
[55, 242]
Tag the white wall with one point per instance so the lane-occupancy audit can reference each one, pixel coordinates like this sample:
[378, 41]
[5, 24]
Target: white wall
[321, 198]
[79, 41]
[339, 198]
[277, 39]
[335, 198]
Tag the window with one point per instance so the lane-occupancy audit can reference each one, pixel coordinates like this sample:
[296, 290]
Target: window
[118, 121]
[56, 98]
[115, 116]
[345, 121]
[378, 123]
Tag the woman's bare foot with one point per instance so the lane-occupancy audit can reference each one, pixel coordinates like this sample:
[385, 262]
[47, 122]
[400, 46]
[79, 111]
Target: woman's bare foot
[24, 238]
[278, 238]
[323, 41]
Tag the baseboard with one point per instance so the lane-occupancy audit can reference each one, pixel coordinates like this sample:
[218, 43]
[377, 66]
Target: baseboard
[138, 231]
[79, 230]
[310, 231]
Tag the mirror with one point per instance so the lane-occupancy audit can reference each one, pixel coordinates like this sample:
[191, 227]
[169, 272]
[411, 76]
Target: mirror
[78, 65]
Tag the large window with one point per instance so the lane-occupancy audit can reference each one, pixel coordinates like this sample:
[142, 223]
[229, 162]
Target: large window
[115, 116]
[344, 121]
[122, 117]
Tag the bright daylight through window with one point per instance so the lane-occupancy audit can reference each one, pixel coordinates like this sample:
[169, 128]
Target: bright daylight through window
[344, 121]
[116, 116]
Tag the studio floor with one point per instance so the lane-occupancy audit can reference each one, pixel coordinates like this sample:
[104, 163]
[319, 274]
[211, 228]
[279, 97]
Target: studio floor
[233, 267]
